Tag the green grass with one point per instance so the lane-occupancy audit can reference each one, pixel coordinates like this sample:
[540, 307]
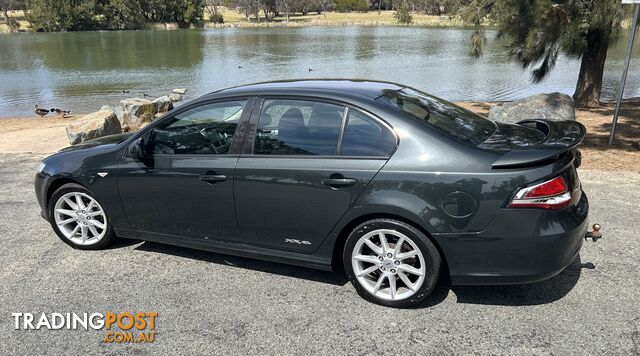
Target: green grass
[372, 18]
[232, 18]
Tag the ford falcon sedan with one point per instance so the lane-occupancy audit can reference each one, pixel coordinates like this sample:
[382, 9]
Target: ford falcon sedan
[397, 187]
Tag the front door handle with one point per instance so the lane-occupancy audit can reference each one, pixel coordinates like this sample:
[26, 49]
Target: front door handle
[339, 182]
[213, 178]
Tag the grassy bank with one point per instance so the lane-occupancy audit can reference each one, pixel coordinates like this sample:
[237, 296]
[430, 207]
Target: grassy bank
[233, 18]
[372, 18]
[47, 135]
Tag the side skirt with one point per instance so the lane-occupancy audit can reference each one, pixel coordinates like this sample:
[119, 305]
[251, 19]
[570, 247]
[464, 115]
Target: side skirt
[291, 258]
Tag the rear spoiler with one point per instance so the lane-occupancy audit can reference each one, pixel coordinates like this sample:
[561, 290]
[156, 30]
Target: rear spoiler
[562, 136]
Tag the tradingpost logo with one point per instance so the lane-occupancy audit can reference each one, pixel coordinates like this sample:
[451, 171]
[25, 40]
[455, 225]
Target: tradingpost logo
[123, 327]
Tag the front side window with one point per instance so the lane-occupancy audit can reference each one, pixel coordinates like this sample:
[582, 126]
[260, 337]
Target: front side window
[363, 136]
[298, 127]
[206, 129]
[444, 116]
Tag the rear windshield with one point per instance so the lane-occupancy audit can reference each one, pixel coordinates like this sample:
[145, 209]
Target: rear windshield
[442, 115]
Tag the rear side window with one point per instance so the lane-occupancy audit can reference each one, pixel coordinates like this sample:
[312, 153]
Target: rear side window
[364, 136]
[442, 115]
[298, 127]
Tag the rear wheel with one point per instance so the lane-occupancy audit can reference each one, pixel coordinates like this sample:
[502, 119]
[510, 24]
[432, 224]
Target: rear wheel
[391, 263]
[78, 218]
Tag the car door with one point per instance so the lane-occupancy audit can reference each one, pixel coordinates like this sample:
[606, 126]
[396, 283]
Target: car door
[184, 184]
[294, 181]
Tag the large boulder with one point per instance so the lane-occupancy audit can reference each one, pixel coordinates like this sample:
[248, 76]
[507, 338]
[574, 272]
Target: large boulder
[175, 97]
[138, 107]
[122, 115]
[135, 123]
[94, 125]
[554, 107]
[181, 91]
[134, 113]
[162, 104]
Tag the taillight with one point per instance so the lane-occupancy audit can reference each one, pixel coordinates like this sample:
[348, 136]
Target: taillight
[552, 194]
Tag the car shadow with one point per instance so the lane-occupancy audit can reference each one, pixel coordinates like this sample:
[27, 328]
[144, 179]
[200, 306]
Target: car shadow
[508, 295]
[334, 278]
[537, 293]
[120, 243]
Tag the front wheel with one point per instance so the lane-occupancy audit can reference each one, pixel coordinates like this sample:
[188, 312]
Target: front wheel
[391, 263]
[78, 218]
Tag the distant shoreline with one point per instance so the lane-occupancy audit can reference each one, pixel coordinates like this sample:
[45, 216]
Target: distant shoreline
[233, 19]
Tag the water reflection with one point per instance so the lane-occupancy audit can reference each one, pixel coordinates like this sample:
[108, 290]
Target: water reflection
[82, 71]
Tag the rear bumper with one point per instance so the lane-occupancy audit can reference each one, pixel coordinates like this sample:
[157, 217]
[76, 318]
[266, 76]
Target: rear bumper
[520, 246]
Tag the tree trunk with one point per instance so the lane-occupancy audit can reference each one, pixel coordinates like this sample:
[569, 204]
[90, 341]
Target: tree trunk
[589, 84]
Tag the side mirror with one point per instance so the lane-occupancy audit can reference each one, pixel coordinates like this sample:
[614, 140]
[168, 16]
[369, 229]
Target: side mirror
[136, 149]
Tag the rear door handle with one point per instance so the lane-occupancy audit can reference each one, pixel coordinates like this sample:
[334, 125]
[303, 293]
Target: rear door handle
[339, 182]
[213, 178]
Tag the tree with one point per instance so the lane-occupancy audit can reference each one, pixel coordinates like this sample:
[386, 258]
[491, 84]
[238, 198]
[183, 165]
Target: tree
[249, 7]
[79, 15]
[351, 5]
[284, 6]
[124, 14]
[402, 14]
[537, 31]
[62, 15]
[211, 8]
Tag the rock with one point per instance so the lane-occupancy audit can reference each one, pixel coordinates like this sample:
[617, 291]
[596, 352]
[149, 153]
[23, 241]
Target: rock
[94, 125]
[138, 106]
[181, 91]
[123, 116]
[162, 104]
[175, 97]
[554, 107]
[137, 122]
[137, 111]
[106, 107]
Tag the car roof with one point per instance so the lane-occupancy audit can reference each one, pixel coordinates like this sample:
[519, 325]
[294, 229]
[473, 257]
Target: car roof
[337, 87]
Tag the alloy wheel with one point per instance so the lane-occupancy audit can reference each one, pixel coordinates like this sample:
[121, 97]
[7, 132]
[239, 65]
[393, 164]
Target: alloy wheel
[80, 218]
[388, 264]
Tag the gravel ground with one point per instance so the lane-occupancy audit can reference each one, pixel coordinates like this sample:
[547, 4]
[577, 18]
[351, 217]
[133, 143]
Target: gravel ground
[220, 304]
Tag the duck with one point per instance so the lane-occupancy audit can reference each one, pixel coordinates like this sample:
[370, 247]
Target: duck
[40, 112]
[60, 112]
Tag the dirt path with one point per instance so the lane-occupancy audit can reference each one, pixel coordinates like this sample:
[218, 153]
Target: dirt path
[37, 135]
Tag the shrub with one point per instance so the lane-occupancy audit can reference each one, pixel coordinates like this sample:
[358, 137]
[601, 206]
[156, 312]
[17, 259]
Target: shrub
[351, 5]
[217, 18]
[402, 15]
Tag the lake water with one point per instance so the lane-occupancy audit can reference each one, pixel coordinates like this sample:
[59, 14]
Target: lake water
[83, 71]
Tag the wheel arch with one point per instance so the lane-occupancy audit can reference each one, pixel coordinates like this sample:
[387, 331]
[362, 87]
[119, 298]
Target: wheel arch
[56, 184]
[341, 239]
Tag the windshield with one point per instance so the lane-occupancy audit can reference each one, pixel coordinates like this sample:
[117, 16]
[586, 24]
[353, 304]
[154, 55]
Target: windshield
[442, 115]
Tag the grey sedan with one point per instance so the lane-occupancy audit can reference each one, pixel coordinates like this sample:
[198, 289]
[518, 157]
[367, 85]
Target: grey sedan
[398, 188]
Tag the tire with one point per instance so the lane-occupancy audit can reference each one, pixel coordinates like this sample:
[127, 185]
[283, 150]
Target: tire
[415, 269]
[87, 217]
